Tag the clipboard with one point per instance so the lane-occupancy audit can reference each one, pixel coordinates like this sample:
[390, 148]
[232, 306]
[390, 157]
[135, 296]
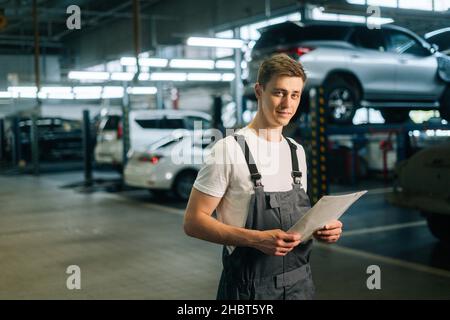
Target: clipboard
[326, 209]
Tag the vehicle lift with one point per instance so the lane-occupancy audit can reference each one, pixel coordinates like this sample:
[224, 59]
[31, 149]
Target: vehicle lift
[315, 137]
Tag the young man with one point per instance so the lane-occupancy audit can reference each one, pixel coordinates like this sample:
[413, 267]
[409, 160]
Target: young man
[256, 181]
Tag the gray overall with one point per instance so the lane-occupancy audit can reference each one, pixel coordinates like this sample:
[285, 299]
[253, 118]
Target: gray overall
[249, 274]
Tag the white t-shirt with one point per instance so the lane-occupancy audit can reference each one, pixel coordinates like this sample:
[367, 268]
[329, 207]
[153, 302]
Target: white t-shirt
[225, 173]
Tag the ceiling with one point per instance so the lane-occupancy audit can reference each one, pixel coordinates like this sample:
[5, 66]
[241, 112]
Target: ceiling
[18, 35]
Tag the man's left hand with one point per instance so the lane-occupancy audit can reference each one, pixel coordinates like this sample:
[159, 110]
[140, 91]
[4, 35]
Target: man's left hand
[329, 233]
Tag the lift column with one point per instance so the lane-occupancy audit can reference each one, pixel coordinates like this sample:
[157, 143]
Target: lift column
[319, 145]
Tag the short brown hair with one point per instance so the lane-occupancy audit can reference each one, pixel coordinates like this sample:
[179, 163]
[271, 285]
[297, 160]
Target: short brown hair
[281, 65]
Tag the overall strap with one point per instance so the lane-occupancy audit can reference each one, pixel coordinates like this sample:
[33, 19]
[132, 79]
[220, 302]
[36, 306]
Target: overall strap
[254, 173]
[296, 174]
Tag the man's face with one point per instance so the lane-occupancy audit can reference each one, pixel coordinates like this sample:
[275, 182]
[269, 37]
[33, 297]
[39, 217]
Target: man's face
[279, 100]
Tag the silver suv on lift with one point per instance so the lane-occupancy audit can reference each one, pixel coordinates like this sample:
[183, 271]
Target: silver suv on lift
[391, 69]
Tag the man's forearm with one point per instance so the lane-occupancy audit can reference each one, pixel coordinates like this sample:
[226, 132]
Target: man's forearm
[207, 228]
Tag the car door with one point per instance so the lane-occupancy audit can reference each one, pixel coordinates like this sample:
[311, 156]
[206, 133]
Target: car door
[416, 68]
[372, 64]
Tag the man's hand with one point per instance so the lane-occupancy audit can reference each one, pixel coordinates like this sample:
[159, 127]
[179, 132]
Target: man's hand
[277, 242]
[330, 233]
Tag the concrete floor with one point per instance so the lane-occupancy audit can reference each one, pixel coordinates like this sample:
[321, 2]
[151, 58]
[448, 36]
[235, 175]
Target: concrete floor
[130, 246]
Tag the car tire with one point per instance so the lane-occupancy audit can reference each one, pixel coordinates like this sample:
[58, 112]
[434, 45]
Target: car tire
[395, 115]
[439, 226]
[183, 184]
[444, 109]
[342, 99]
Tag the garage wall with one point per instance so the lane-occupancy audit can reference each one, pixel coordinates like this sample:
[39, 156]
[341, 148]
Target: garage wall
[23, 67]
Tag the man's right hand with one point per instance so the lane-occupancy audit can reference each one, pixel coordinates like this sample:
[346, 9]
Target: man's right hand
[277, 242]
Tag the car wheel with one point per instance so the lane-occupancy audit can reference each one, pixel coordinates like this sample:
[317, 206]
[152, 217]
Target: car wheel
[342, 99]
[444, 109]
[183, 184]
[439, 225]
[395, 115]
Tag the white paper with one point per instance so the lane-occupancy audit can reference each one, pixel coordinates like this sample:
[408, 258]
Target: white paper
[326, 209]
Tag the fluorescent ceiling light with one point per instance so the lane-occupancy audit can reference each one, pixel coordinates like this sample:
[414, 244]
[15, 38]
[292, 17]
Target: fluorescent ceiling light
[122, 76]
[228, 77]
[87, 89]
[418, 5]
[92, 92]
[54, 90]
[128, 61]
[191, 64]
[168, 76]
[225, 64]
[88, 75]
[27, 94]
[204, 77]
[111, 92]
[142, 90]
[60, 96]
[56, 95]
[215, 42]
[379, 21]
[23, 92]
[145, 62]
[144, 76]
[88, 96]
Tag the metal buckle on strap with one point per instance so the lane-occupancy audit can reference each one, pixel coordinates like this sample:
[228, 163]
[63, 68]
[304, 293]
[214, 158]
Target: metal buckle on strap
[256, 177]
[297, 176]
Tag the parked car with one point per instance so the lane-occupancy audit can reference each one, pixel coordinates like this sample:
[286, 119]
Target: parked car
[109, 147]
[146, 127]
[58, 139]
[170, 164]
[391, 69]
[441, 38]
[423, 183]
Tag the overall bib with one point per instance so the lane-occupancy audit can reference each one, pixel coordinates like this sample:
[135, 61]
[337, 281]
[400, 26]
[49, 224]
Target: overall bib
[249, 274]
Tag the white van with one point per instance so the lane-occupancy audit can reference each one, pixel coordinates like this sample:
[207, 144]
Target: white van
[146, 127]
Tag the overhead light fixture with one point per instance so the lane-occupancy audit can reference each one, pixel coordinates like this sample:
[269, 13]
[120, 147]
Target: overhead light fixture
[142, 90]
[111, 92]
[228, 76]
[91, 92]
[56, 93]
[225, 64]
[145, 62]
[215, 42]
[144, 76]
[168, 76]
[191, 64]
[204, 77]
[88, 75]
[128, 61]
[23, 92]
[49, 90]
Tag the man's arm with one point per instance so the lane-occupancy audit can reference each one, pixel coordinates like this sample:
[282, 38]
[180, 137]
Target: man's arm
[199, 223]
